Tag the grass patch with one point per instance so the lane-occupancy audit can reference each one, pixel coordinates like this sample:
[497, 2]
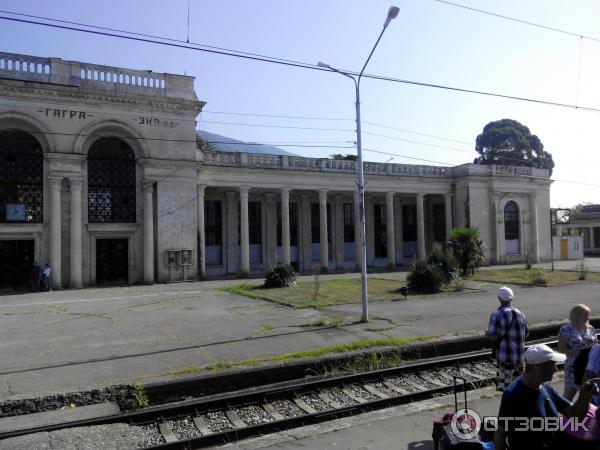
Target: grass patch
[331, 292]
[523, 276]
[369, 360]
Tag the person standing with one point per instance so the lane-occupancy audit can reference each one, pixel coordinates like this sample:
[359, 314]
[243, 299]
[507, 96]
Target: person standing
[507, 330]
[531, 396]
[46, 276]
[577, 335]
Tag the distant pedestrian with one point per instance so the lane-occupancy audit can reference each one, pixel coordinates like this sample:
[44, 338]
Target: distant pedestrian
[46, 279]
[507, 330]
[573, 337]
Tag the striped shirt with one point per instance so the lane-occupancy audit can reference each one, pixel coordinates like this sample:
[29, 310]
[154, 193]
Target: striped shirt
[512, 347]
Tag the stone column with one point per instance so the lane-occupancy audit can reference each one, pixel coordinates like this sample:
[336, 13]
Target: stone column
[357, 246]
[534, 247]
[285, 225]
[399, 241]
[338, 231]
[201, 231]
[244, 237]
[448, 211]
[389, 226]
[306, 234]
[232, 232]
[148, 188]
[75, 184]
[55, 231]
[421, 256]
[495, 228]
[270, 243]
[324, 245]
[591, 237]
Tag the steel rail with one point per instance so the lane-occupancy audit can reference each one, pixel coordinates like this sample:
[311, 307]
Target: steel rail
[268, 393]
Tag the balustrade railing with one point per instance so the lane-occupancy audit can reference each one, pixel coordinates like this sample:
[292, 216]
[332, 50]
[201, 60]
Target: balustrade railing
[259, 160]
[91, 76]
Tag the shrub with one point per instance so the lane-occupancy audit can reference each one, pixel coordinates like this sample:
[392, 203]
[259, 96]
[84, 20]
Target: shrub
[537, 277]
[468, 248]
[280, 276]
[443, 257]
[425, 278]
[132, 397]
[583, 270]
[316, 282]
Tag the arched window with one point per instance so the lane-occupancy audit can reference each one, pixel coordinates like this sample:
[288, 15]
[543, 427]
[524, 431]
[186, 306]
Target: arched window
[111, 182]
[21, 178]
[511, 227]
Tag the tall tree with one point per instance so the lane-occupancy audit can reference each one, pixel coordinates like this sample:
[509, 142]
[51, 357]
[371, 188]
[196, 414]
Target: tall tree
[508, 142]
[346, 157]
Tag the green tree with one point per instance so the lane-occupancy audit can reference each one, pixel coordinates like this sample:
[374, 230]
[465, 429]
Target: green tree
[346, 157]
[468, 248]
[508, 142]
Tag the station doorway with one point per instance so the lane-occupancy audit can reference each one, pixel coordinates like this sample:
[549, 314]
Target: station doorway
[111, 262]
[16, 261]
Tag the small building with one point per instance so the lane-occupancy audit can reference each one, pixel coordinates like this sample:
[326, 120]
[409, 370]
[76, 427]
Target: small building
[568, 247]
[101, 177]
[584, 222]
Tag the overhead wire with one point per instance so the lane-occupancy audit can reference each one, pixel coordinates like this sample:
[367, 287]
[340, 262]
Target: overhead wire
[234, 53]
[525, 22]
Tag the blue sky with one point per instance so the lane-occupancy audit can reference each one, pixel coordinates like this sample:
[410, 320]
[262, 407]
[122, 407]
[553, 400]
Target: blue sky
[429, 42]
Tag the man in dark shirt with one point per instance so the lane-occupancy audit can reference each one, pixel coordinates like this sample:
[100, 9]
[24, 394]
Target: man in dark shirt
[530, 396]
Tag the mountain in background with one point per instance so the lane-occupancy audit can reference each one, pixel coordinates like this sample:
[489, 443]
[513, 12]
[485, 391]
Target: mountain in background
[226, 144]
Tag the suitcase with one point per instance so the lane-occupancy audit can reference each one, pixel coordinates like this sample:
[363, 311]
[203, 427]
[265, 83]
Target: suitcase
[447, 436]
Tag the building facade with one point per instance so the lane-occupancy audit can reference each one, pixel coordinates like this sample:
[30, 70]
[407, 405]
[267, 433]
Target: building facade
[584, 222]
[101, 177]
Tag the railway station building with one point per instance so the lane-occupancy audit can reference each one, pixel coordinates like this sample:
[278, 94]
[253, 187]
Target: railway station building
[101, 177]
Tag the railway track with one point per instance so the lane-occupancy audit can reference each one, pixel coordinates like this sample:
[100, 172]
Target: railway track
[233, 416]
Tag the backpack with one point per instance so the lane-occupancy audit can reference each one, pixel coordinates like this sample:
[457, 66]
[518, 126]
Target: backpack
[580, 364]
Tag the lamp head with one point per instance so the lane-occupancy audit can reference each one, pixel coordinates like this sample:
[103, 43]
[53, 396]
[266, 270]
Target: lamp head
[392, 14]
[322, 64]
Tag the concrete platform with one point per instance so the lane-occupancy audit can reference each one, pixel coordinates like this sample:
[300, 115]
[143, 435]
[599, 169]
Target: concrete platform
[65, 341]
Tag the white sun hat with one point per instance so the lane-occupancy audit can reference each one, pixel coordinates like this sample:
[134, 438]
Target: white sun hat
[541, 353]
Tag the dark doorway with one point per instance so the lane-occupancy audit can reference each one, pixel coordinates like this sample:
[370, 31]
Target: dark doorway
[111, 261]
[16, 261]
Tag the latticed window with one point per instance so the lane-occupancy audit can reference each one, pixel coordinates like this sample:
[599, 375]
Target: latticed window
[111, 182]
[21, 178]
[511, 221]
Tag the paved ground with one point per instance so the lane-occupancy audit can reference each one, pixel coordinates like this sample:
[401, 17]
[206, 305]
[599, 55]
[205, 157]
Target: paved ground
[76, 340]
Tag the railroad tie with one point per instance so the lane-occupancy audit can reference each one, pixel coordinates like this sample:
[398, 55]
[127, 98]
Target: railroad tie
[201, 425]
[395, 388]
[235, 419]
[376, 392]
[416, 385]
[270, 409]
[354, 397]
[304, 406]
[472, 374]
[167, 432]
[330, 401]
[432, 380]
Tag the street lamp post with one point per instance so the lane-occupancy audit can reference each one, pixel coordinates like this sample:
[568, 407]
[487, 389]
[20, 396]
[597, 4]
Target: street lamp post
[392, 13]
